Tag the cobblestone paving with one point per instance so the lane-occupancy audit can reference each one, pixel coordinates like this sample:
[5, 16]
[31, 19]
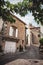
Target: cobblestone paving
[25, 62]
[31, 53]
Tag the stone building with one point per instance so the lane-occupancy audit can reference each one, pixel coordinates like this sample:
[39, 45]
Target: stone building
[14, 35]
[34, 35]
[41, 30]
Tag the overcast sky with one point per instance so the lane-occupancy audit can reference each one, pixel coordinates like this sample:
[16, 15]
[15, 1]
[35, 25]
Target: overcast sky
[28, 18]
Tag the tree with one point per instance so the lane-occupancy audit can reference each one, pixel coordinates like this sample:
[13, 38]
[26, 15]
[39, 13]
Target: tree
[22, 8]
[5, 9]
[31, 5]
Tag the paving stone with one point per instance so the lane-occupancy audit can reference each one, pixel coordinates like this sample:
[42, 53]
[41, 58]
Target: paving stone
[26, 62]
[19, 62]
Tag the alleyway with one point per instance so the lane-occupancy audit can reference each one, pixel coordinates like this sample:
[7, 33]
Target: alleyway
[30, 53]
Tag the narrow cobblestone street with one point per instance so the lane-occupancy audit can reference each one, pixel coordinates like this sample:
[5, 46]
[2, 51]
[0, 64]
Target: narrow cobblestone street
[31, 53]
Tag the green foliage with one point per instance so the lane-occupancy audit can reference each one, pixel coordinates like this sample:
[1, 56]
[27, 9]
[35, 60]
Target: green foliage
[41, 41]
[9, 5]
[5, 11]
[30, 5]
[23, 7]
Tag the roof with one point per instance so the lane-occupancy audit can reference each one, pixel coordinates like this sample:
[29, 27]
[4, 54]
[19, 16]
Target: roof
[19, 19]
[34, 27]
[26, 27]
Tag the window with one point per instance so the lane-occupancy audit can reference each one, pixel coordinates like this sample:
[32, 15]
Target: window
[11, 31]
[16, 32]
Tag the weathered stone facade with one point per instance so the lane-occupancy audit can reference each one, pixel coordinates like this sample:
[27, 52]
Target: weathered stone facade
[21, 31]
[21, 35]
[34, 34]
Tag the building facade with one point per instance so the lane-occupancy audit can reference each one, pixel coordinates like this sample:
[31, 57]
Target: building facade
[14, 35]
[34, 35]
[41, 30]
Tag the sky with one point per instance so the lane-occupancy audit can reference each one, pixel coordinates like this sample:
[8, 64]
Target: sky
[28, 18]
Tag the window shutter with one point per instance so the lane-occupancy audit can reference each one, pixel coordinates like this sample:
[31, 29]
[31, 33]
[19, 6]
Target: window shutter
[16, 32]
